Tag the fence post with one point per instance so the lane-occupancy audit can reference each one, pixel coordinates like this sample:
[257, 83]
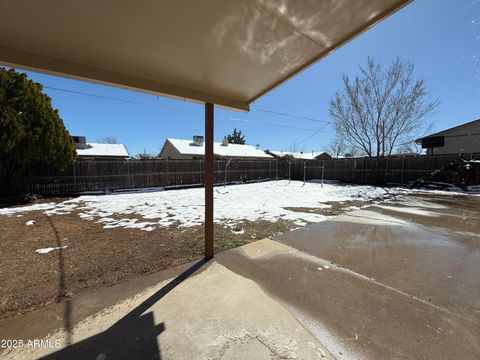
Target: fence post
[304, 172]
[354, 178]
[168, 174]
[289, 174]
[74, 176]
[363, 170]
[226, 170]
[323, 167]
[128, 174]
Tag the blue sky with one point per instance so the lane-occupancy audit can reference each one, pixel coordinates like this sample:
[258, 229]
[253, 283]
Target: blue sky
[442, 39]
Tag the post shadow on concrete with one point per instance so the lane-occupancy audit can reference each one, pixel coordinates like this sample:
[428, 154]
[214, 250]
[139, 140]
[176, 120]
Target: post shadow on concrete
[132, 337]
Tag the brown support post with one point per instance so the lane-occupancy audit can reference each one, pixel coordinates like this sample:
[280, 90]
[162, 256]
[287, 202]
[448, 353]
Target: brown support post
[209, 175]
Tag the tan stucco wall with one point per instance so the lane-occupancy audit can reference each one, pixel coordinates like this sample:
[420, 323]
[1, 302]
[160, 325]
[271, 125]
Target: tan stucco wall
[170, 152]
[459, 144]
[464, 139]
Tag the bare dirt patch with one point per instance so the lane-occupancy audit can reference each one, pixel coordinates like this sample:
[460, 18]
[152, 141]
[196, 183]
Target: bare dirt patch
[96, 257]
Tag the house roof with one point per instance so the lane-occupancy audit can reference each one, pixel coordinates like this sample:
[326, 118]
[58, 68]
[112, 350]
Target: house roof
[94, 149]
[224, 52]
[444, 132]
[187, 147]
[308, 155]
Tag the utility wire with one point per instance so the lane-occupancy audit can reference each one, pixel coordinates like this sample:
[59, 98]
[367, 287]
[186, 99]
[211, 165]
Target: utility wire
[196, 112]
[97, 96]
[292, 116]
[307, 138]
[266, 123]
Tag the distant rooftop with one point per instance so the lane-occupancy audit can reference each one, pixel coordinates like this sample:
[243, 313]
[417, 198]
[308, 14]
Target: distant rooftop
[94, 149]
[307, 155]
[188, 147]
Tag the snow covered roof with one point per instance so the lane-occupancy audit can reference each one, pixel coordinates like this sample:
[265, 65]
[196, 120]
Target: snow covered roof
[308, 155]
[94, 149]
[187, 147]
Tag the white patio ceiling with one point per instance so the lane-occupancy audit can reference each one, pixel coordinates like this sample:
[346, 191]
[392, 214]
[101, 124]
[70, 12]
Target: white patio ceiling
[226, 52]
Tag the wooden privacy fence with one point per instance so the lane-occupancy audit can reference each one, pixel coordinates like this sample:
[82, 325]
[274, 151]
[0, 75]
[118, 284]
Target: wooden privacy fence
[393, 169]
[91, 176]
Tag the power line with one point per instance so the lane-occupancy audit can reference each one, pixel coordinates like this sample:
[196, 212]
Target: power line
[97, 96]
[266, 123]
[307, 138]
[196, 112]
[117, 99]
[292, 115]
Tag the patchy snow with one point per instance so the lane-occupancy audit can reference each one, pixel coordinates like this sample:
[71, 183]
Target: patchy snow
[238, 232]
[30, 222]
[34, 207]
[49, 249]
[185, 207]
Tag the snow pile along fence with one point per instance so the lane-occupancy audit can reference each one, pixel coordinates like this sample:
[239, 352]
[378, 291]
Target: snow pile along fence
[460, 174]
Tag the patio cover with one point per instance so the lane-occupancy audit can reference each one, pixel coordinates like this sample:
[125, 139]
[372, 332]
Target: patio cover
[225, 52]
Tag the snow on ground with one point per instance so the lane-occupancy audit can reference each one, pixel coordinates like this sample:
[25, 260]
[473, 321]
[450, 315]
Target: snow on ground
[30, 222]
[185, 207]
[49, 249]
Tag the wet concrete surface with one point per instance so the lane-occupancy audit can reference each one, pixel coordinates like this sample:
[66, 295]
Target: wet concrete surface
[354, 317]
[403, 279]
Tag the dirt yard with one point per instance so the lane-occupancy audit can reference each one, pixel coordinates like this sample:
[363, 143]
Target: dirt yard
[96, 257]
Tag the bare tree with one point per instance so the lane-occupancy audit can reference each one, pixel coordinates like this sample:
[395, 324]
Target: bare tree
[381, 108]
[146, 156]
[108, 140]
[339, 148]
[336, 148]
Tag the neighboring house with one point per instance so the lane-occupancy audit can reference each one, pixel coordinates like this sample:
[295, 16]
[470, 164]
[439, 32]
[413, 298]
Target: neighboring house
[187, 149]
[313, 155]
[463, 138]
[93, 151]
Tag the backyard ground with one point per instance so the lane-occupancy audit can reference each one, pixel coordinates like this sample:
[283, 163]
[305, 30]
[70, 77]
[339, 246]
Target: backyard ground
[397, 279]
[56, 249]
